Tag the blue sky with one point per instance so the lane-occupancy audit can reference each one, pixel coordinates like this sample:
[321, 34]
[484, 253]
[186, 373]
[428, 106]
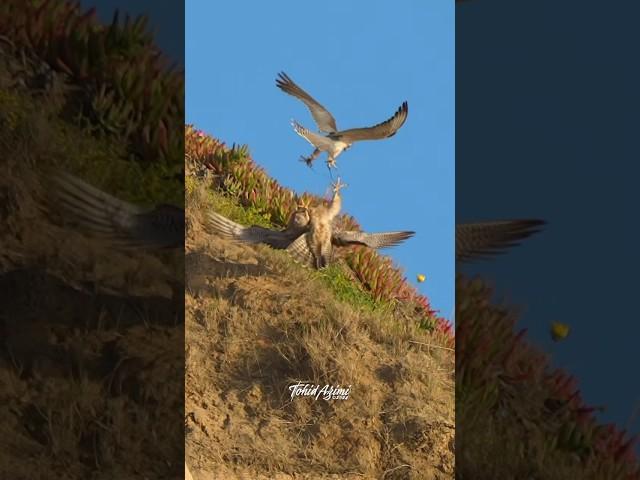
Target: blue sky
[361, 61]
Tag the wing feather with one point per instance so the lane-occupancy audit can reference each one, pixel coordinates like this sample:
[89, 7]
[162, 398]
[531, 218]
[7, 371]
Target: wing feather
[371, 240]
[301, 252]
[324, 119]
[386, 129]
[93, 209]
[224, 227]
[161, 228]
[484, 239]
[123, 223]
[318, 141]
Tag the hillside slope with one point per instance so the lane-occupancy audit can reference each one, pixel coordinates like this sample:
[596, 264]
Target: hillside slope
[517, 416]
[91, 351]
[256, 323]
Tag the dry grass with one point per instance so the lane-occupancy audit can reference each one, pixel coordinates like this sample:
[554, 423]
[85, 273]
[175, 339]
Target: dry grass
[256, 323]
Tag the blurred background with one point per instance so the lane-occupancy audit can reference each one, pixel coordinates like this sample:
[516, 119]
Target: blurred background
[547, 120]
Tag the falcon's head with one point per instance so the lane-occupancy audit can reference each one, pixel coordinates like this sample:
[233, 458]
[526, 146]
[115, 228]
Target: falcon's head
[300, 217]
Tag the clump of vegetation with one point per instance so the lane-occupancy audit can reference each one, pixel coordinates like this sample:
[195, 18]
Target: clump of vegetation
[238, 177]
[124, 87]
[346, 290]
[258, 323]
[518, 417]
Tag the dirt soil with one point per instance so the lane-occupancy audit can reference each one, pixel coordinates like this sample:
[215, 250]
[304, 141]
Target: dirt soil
[257, 323]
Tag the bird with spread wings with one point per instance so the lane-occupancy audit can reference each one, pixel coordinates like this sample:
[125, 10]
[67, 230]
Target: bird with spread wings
[315, 247]
[299, 229]
[336, 141]
[122, 223]
[127, 225]
[130, 225]
[278, 239]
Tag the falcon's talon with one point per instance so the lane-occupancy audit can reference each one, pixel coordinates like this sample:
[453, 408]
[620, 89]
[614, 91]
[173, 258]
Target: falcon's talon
[307, 160]
[338, 185]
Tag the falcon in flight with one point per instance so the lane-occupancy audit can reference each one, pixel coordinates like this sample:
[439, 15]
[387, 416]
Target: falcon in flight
[123, 223]
[485, 239]
[299, 227]
[336, 141]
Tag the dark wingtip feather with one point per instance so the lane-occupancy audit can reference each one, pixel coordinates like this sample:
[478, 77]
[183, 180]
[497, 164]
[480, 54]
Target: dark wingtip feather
[283, 81]
[519, 230]
[528, 226]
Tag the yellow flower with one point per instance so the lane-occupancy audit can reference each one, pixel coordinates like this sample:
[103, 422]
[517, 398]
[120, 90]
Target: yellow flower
[421, 278]
[559, 331]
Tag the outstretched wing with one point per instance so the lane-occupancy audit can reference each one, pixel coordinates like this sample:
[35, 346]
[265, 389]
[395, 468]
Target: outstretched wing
[163, 227]
[483, 239]
[224, 227]
[123, 223]
[386, 129]
[318, 141]
[371, 240]
[324, 120]
[300, 250]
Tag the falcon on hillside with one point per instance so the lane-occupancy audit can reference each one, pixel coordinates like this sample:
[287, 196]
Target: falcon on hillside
[484, 239]
[125, 224]
[314, 248]
[299, 226]
[336, 141]
[281, 239]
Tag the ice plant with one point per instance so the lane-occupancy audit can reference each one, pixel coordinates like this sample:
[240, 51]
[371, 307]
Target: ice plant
[506, 385]
[129, 91]
[242, 179]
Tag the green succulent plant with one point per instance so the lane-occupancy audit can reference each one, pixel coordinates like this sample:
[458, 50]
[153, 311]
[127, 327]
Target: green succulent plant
[250, 185]
[127, 89]
[508, 388]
